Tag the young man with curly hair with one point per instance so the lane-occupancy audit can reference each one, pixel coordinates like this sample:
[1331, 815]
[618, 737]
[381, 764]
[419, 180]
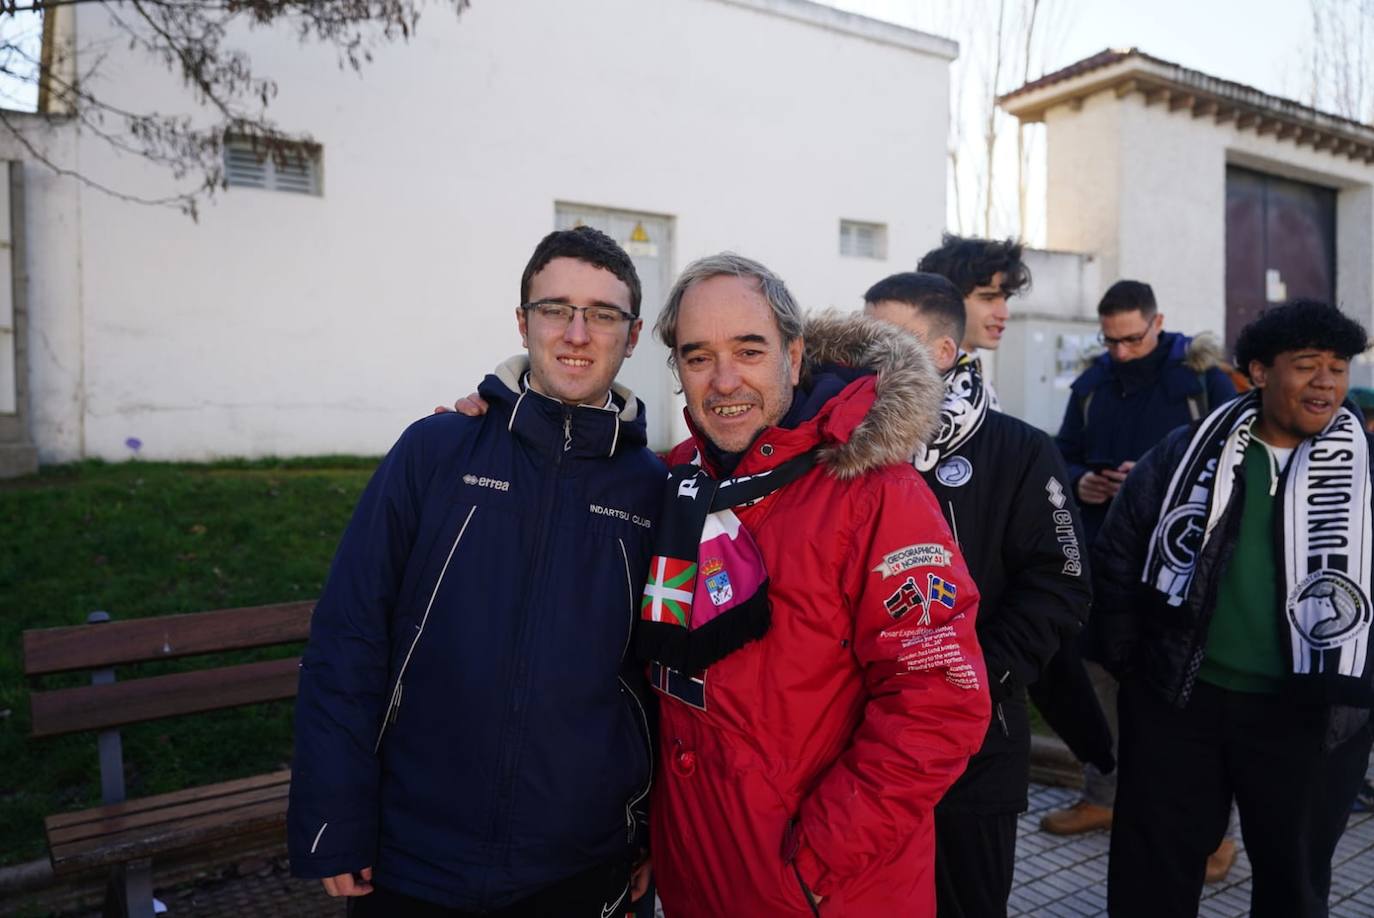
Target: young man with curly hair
[1232, 582]
[987, 273]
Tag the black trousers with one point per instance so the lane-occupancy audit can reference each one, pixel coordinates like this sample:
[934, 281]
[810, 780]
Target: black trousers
[595, 893]
[1179, 770]
[975, 856]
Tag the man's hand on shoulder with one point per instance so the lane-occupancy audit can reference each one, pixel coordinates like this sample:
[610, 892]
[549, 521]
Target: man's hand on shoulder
[346, 884]
[472, 405]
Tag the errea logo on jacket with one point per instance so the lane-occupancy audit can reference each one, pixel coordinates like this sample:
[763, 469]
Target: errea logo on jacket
[484, 482]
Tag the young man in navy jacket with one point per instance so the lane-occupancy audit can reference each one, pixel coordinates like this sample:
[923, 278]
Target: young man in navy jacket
[470, 734]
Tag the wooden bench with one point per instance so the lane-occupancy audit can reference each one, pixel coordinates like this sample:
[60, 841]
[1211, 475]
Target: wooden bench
[126, 835]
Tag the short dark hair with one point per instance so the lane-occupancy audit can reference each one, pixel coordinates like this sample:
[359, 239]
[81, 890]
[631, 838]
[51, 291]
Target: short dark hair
[1298, 325]
[969, 263]
[1128, 296]
[931, 295]
[585, 244]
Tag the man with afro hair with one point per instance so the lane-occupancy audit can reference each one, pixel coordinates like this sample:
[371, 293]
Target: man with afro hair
[1232, 582]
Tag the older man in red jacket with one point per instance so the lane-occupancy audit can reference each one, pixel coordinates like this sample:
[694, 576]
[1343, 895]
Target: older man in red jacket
[808, 620]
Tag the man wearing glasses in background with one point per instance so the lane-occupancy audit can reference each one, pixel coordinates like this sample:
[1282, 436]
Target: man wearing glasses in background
[470, 735]
[1147, 383]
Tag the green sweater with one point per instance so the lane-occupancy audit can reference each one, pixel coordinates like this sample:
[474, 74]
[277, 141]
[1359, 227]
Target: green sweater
[1243, 652]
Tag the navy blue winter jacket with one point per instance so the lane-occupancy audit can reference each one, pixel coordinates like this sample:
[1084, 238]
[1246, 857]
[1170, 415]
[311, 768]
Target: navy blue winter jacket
[1130, 410]
[467, 723]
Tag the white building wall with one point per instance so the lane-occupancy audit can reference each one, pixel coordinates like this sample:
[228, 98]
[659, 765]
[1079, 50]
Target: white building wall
[1168, 203]
[1083, 181]
[283, 324]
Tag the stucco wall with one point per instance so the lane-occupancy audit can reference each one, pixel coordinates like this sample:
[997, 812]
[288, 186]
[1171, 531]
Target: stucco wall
[1145, 188]
[284, 324]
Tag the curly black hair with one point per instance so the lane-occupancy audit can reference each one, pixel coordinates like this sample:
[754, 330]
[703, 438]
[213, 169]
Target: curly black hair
[972, 262]
[1298, 325]
[585, 244]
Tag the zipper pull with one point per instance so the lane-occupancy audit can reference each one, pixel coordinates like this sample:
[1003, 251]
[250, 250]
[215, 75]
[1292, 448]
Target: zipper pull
[1003, 719]
[567, 430]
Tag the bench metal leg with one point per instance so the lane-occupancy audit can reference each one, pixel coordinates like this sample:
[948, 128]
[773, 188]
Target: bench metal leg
[130, 893]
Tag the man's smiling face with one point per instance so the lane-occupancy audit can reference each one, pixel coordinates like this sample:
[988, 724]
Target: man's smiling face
[576, 362]
[736, 373]
[1299, 393]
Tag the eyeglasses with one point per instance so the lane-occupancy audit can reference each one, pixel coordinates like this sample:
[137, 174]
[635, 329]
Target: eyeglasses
[1127, 340]
[560, 315]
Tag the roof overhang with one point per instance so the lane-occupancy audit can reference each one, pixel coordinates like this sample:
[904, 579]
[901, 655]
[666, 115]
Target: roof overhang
[1190, 93]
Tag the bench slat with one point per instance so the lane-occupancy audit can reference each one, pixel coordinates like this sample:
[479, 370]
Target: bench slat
[149, 841]
[98, 707]
[164, 637]
[148, 819]
[96, 814]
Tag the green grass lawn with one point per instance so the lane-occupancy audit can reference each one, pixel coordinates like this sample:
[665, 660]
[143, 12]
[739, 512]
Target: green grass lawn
[145, 538]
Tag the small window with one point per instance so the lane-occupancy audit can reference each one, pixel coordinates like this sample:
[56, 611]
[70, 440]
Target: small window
[863, 240]
[294, 168]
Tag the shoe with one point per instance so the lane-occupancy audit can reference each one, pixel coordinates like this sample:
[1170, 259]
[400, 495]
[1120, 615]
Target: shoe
[1081, 817]
[1219, 861]
[1364, 800]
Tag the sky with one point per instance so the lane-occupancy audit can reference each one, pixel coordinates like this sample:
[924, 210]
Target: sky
[1263, 43]
[1266, 44]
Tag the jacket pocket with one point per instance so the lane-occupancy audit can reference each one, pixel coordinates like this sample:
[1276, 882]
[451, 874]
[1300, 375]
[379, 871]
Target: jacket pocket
[393, 707]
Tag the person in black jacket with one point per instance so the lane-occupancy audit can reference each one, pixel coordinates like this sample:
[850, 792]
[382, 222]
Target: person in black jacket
[471, 734]
[1233, 584]
[1003, 490]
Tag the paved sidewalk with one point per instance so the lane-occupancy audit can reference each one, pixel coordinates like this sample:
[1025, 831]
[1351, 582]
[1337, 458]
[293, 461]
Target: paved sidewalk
[1059, 877]
[1056, 877]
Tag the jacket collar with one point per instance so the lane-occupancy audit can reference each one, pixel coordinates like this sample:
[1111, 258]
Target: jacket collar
[550, 427]
[1177, 378]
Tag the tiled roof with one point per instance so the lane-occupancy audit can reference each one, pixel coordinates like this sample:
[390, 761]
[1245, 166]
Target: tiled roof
[1131, 70]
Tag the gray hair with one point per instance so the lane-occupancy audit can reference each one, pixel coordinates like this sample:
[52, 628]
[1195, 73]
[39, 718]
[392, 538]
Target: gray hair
[786, 312]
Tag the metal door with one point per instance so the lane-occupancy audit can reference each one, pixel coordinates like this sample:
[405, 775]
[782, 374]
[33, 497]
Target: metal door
[648, 240]
[1280, 244]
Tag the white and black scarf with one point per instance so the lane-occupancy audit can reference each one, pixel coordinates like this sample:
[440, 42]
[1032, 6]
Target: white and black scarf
[1324, 524]
[965, 405]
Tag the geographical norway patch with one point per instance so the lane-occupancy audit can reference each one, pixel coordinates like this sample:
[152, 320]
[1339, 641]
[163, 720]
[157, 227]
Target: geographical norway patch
[665, 600]
[906, 598]
[941, 591]
[928, 554]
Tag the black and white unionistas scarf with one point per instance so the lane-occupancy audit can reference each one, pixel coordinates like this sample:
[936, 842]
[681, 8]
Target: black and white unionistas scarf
[707, 591]
[961, 414]
[1324, 521]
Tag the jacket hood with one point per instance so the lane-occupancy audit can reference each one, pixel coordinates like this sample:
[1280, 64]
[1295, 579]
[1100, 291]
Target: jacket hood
[1194, 355]
[907, 392]
[594, 430]
[1202, 353]
[511, 372]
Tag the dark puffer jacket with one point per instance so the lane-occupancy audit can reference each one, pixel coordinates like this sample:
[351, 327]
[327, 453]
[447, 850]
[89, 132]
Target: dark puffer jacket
[466, 723]
[1134, 632]
[1118, 411]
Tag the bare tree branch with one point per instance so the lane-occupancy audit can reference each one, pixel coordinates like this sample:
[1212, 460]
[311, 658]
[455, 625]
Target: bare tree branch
[191, 39]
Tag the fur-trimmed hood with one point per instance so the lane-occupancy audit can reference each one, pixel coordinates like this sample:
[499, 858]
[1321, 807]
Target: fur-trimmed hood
[906, 410]
[1203, 352]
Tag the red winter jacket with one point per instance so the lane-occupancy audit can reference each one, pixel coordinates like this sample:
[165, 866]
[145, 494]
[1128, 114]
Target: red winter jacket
[852, 716]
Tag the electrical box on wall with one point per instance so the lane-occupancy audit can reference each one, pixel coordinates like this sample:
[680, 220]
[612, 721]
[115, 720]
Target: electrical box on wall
[1038, 360]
